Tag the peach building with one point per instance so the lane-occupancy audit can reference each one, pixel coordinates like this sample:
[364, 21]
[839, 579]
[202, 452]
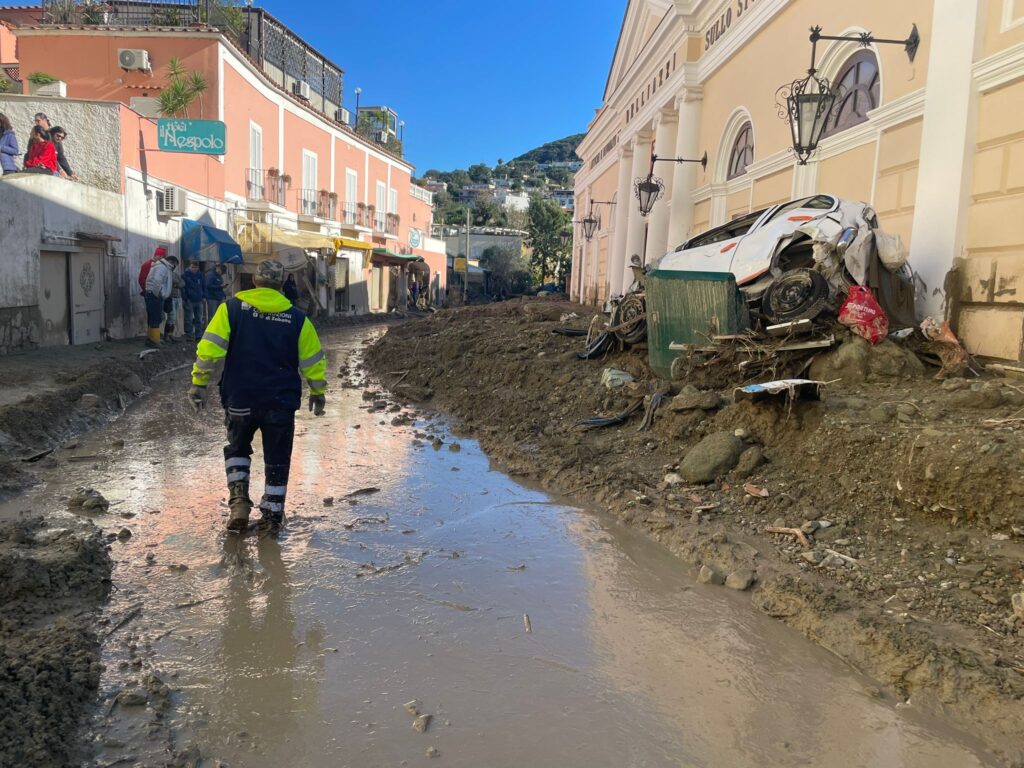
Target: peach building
[295, 178]
[933, 145]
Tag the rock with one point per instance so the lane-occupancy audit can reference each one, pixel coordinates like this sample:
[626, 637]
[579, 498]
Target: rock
[710, 576]
[711, 458]
[454, 447]
[955, 385]
[132, 697]
[133, 383]
[673, 478]
[124, 534]
[856, 361]
[691, 399]
[719, 537]
[329, 501]
[421, 722]
[89, 500]
[809, 526]
[882, 414]
[740, 579]
[1017, 601]
[433, 752]
[89, 401]
[980, 399]
[613, 378]
[749, 460]
[812, 557]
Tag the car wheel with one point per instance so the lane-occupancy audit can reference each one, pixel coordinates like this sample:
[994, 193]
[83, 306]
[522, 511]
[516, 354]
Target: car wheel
[631, 315]
[797, 294]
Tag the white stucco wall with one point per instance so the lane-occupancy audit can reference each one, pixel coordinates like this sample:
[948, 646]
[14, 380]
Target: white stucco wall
[93, 145]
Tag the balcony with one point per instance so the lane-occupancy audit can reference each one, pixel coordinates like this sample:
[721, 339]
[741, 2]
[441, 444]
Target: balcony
[265, 186]
[385, 223]
[355, 215]
[318, 203]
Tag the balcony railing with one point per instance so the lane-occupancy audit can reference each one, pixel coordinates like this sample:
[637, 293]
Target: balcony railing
[319, 203]
[262, 186]
[386, 223]
[354, 215]
[131, 13]
[421, 194]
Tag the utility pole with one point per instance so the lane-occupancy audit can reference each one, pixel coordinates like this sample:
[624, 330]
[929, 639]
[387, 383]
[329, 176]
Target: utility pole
[465, 275]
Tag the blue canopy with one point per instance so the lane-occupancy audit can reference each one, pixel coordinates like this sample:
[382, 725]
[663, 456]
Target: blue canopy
[201, 242]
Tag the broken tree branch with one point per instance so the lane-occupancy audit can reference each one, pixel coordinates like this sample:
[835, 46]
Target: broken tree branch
[794, 532]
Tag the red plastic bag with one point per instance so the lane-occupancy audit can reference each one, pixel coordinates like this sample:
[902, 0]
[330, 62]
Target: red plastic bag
[863, 314]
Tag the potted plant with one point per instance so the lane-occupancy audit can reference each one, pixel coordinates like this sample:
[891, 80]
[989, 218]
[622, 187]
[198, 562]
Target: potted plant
[287, 179]
[333, 196]
[273, 172]
[45, 84]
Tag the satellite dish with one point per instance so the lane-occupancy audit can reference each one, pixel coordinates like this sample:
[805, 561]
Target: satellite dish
[291, 257]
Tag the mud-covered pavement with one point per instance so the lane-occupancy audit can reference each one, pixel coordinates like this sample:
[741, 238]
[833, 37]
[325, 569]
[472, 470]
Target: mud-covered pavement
[529, 632]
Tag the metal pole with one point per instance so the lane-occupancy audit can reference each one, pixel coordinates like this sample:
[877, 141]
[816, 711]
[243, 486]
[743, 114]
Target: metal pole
[465, 276]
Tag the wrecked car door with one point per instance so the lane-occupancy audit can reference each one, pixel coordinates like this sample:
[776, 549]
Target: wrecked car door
[712, 251]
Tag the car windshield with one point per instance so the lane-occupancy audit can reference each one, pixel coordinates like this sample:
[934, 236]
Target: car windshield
[816, 203]
[735, 228]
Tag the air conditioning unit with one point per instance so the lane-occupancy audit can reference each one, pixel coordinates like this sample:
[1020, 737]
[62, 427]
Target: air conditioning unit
[381, 137]
[342, 116]
[301, 89]
[133, 58]
[172, 202]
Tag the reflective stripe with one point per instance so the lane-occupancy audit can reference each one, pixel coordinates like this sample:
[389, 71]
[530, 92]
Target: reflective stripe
[213, 338]
[234, 477]
[276, 490]
[238, 461]
[206, 365]
[272, 506]
[240, 411]
[318, 385]
[312, 360]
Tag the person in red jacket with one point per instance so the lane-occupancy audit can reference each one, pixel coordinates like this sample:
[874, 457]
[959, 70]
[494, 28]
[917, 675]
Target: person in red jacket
[158, 254]
[42, 154]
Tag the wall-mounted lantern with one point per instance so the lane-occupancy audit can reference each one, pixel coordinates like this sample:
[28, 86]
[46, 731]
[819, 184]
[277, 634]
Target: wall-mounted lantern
[648, 190]
[807, 102]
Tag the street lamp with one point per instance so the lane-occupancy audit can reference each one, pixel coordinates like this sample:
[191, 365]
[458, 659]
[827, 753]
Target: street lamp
[358, 91]
[648, 190]
[807, 102]
[590, 224]
[401, 129]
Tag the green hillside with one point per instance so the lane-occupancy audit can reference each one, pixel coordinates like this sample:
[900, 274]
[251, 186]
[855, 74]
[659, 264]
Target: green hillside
[562, 150]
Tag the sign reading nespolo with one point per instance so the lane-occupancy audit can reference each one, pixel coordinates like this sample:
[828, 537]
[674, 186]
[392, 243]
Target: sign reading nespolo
[202, 137]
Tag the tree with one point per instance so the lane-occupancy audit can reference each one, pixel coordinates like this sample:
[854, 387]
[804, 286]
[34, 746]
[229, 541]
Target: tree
[545, 223]
[480, 173]
[509, 270]
[560, 176]
[487, 213]
[182, 89]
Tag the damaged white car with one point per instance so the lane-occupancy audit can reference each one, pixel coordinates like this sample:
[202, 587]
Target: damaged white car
[791, 262]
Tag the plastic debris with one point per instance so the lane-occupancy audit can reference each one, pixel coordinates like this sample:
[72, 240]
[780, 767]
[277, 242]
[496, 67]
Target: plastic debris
[862, 313]
[790, 389]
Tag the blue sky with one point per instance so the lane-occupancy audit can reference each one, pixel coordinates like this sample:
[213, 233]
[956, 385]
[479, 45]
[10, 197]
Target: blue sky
[474, 81]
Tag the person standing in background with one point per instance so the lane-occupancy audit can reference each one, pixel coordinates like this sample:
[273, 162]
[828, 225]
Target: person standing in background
[172, 306]
[57, 136]
[290, 289]
[214, 290]
[193, 292]
[159, 284]
[8, 146]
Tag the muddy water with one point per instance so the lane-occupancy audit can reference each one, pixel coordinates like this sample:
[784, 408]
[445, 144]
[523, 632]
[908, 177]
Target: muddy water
[534, 634]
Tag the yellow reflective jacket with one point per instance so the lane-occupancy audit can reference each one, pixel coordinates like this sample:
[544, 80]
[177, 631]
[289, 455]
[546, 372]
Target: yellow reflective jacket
[214, 344]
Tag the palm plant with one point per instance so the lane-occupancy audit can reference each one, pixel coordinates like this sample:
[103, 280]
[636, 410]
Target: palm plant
[182, 89]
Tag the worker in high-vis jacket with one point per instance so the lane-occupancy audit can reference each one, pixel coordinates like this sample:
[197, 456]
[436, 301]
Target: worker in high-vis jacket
[265, 343]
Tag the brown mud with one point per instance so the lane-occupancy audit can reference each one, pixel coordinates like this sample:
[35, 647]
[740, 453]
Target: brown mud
[907, 490]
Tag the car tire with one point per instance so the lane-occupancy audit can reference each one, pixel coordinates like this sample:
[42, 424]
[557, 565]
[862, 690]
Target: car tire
[797, 294]
[631, 312]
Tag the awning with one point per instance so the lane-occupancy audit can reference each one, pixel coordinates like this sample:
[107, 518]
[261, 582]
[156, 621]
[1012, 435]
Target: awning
[403, 257]
[296, 239]
[348, 242]
[201, 242]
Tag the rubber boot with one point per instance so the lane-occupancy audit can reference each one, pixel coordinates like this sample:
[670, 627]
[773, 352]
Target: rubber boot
[270, 522]
[239, 504]
[153, 338]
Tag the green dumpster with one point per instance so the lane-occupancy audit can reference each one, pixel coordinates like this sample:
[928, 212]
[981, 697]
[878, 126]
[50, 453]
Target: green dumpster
[690, 308]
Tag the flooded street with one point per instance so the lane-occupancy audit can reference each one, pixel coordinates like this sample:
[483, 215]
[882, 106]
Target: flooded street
[533, 633]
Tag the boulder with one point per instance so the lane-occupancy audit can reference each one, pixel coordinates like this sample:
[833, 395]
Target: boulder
[1017, 601]
[712, 457]
[856, 361]
[691, 399]
[709, 575]
[740, 579]
[749, 460]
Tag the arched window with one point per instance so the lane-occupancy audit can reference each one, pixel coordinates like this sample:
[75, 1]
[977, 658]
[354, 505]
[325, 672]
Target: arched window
[742, 153]
[857, 92]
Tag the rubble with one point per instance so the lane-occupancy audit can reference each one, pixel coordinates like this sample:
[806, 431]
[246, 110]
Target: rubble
[889, 464]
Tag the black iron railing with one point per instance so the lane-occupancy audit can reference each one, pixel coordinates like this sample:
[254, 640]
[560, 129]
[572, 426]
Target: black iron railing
[265, 186]
[354, 215]
[319, 203]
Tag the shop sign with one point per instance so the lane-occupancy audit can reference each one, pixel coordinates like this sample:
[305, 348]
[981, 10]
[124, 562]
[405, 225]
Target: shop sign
[415, 238]
[461, 265]
[732, 11]
[202, 137]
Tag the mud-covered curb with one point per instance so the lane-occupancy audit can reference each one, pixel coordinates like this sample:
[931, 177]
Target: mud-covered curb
[518, 389]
